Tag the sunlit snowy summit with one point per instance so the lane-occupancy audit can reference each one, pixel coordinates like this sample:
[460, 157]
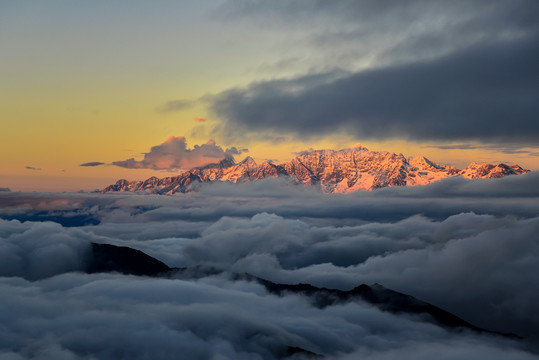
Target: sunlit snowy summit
[336, 171]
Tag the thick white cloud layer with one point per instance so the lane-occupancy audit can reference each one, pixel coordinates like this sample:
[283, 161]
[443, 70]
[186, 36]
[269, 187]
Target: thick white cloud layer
[40, 250]
[470, 247]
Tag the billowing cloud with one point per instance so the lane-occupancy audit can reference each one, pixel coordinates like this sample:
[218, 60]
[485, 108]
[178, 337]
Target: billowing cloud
[92, 163]
[413, 255]
[199, 119]
[57, 250]
[468, 246]
[174, 154]
[92, 315]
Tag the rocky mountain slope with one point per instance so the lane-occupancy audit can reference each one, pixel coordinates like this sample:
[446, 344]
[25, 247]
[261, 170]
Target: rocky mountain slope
[339, 171]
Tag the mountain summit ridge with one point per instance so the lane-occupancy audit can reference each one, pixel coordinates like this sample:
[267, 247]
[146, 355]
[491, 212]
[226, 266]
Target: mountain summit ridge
[337, 171]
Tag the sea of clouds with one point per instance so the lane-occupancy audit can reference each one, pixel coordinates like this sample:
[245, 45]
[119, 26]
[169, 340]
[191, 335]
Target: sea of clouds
[469, 247]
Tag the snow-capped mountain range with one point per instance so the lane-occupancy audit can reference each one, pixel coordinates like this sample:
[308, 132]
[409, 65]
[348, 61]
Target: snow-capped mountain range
[336, 171]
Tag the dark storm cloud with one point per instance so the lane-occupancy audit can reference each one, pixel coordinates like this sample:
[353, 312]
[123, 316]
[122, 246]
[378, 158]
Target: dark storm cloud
[486, 93]
[460, 70]
[92, 163]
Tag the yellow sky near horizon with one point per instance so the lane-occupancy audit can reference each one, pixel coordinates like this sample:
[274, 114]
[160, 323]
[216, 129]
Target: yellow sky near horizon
[56, 130]
[59, 158]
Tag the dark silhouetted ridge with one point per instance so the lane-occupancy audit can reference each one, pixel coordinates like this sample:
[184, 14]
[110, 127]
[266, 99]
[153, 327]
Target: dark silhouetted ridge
[380, 296]
[111, 258]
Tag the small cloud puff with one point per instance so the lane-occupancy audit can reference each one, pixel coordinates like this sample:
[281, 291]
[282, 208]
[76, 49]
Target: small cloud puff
[199, 119]
[92, 163]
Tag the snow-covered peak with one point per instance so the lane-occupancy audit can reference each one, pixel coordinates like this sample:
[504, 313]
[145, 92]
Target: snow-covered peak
[485, 170]
[357, 147]
[248, 161]
[335, 171]
[224, 163]
[423, 162]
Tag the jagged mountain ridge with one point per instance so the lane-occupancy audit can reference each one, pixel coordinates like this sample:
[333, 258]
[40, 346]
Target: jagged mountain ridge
[337, 171]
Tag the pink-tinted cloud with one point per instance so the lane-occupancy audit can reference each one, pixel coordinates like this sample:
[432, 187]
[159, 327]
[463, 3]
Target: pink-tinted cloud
[174, 154]
[199, 119]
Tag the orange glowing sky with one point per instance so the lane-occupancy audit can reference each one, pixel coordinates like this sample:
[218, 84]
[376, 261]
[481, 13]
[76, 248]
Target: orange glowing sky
[104, 82]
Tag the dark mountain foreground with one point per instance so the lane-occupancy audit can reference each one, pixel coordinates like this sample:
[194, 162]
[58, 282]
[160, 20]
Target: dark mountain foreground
[125, 260]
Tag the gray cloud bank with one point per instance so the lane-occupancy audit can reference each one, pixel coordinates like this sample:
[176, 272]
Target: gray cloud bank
[506, 149]
[483, 93]
[469, 247]
[457, 71]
